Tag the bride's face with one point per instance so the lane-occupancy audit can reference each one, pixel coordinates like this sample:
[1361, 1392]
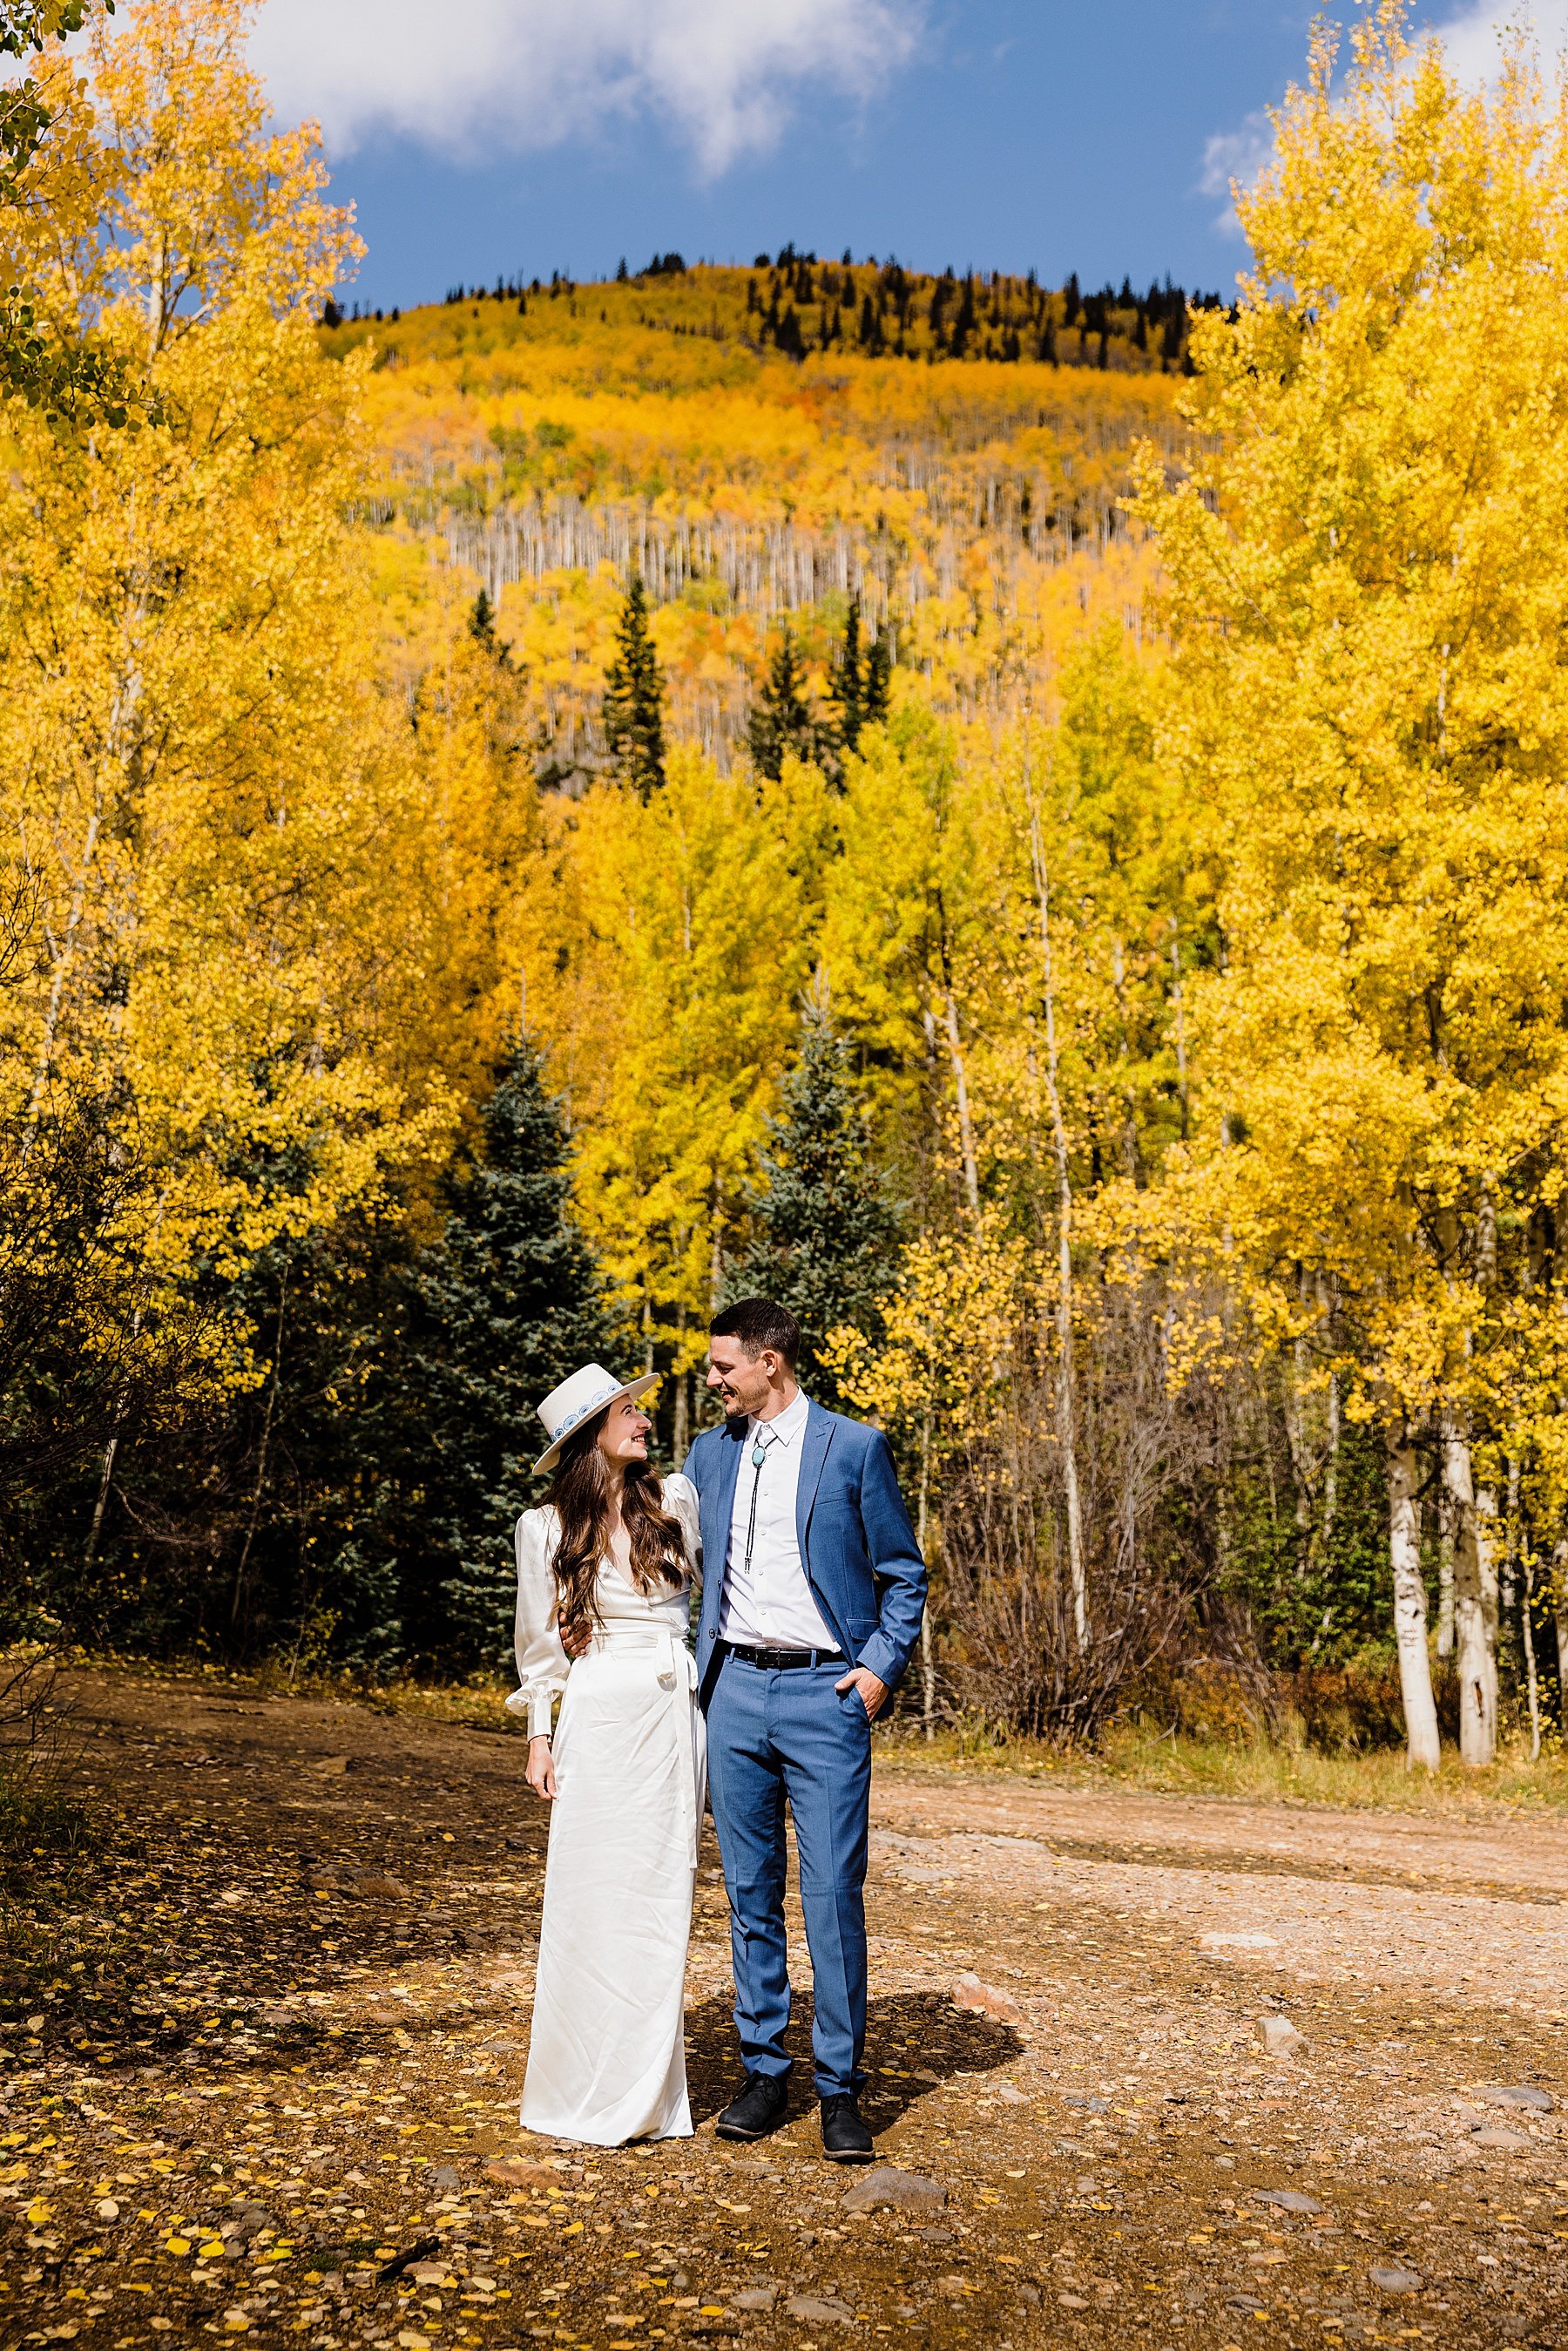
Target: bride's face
[623, 1433]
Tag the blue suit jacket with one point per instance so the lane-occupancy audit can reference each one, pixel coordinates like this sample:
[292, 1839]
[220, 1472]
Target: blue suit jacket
[857, 1546]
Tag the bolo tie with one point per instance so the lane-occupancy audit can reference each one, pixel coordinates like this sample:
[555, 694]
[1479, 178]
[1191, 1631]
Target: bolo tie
[761, 1448]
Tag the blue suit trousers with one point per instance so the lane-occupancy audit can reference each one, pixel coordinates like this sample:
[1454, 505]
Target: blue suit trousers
[773, 1737]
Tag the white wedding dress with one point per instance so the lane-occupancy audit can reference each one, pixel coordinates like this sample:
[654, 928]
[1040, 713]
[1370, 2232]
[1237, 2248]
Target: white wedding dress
[607, 2055]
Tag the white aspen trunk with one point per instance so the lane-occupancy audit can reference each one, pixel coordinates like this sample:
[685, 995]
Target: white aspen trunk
[105, 1481]
[1180, 1029]
[244, 1560]
[1422, 1746]
[65, 955]
[966, 1125]
[1066, 1429]
[1487, 1546]
[1559, 1613]
[680, 1413]
[1129, 1104]
[1296, 1439]
[1475, 1622]
[157, 296]
[716, 1250]
[1532, 1682]
[1510, 1542]
[1331, 1465]
[1444, 1572]
[928, 1648]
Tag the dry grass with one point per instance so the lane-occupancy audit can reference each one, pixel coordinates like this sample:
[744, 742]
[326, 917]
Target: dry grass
[480, 1703]
[1259, 1771]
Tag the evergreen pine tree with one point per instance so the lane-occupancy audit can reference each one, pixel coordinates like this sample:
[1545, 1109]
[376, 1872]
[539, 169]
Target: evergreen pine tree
[848, 681]
[963, 325]
[502, 1308]
[791, 341]
[482, 628]
[780, 720]
[858, 687]
[878, 680]
[634, 698]
[826, 1232]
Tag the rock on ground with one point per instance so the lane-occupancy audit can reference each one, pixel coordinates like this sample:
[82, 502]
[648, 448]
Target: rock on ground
[302, 2103]
[899, 2192]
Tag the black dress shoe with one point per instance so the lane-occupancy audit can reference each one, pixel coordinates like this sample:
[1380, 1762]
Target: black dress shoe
[845, 2137]
[760, 2108]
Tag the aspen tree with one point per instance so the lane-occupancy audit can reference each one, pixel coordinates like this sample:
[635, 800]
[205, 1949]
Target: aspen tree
[665, 944]
[1362, 574]
[1422, 1742]
[194, 777]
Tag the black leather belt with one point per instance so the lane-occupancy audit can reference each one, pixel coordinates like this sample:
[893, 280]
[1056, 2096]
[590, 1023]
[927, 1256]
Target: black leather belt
[775, 1661]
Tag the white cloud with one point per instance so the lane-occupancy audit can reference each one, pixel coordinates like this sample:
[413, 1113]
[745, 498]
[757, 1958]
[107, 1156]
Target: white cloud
[1232, 156]
[486, 74]
[1474, 37]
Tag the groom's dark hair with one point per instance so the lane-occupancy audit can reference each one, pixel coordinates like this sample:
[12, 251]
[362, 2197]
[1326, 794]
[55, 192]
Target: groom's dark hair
[759, 1322]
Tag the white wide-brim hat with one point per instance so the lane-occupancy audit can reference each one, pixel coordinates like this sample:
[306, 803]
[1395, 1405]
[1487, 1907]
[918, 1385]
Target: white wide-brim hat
[578, 1399]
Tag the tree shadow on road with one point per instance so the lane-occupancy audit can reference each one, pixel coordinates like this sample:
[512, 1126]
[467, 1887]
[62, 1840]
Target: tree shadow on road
[915, 2042]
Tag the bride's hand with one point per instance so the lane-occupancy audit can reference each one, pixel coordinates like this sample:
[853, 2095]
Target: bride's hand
[541, 1771]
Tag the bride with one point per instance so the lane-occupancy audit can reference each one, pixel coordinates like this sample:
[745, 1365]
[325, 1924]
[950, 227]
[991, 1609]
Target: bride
[609, 1558]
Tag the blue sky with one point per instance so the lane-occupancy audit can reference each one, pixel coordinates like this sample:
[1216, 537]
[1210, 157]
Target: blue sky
[541, 134]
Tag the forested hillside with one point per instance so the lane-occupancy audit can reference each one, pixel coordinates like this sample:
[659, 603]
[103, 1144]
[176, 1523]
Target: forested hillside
[554, 439]
[1031, 824]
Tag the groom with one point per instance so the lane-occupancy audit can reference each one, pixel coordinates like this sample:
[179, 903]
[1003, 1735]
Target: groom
[812, 1596]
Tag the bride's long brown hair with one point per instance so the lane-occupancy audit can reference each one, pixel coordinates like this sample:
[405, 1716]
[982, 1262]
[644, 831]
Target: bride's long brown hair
[580, 1494]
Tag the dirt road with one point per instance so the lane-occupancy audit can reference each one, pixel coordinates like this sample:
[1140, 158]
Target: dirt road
[264, 2086]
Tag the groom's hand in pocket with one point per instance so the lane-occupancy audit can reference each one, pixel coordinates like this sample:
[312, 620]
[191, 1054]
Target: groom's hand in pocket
[872, 1691]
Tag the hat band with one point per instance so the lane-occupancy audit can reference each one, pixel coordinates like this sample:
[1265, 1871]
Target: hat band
[605, 1396]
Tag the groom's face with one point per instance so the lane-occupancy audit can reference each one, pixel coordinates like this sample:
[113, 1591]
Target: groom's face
[741, 1381]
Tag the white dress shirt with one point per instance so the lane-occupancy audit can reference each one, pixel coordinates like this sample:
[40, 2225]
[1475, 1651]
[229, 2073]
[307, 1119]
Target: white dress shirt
[767, 1600]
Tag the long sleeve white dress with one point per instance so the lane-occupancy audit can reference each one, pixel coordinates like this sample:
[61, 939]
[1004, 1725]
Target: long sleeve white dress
[607, 2055]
